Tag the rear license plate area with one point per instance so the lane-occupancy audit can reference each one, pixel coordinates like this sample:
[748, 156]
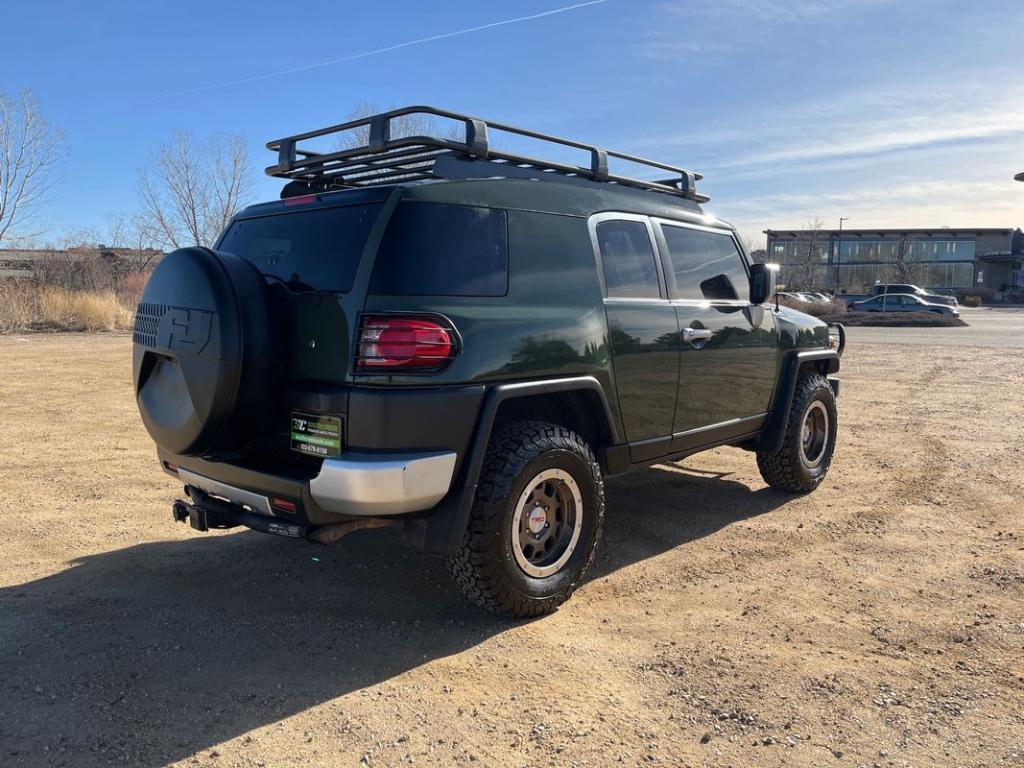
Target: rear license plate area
[315, 435]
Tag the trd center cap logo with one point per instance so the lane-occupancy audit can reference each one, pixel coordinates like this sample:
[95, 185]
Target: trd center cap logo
[185, 330]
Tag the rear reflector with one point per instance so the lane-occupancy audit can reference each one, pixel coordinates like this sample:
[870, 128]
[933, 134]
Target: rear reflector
[283, 505]
[404, 343]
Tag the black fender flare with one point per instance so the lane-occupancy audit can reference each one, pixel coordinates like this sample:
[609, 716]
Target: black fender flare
[440, 531]
[827, 360]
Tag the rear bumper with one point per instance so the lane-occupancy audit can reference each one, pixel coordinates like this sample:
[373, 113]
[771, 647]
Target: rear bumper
[377, 486]
[353, 485]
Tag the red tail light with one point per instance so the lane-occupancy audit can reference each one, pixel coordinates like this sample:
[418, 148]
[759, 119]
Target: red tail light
[404, 343]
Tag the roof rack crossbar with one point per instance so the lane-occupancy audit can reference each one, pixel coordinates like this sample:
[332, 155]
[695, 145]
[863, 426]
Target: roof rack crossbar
[383, 157]
[365, 163]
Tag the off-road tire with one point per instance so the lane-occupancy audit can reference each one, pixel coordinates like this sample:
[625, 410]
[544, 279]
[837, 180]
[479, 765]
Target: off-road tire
[485, 566]
[786, 469]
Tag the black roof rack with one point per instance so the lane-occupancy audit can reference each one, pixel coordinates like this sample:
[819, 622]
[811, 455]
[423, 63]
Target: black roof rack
[384, 159]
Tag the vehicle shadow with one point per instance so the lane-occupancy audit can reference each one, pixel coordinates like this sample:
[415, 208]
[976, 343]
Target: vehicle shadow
[151, 653]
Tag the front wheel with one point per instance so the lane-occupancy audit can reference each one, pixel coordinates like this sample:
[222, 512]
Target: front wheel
[810, 439]
[536, 520]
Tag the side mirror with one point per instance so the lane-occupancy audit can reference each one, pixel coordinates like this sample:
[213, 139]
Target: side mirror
[760, 283]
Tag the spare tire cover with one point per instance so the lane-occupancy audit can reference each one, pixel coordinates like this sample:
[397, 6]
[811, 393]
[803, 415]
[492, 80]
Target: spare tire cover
[202, 331]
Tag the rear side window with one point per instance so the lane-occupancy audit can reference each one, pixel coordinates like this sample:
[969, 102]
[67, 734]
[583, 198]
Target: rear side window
[705, 265]
[627, 257]
[317, 249]
[435, 249]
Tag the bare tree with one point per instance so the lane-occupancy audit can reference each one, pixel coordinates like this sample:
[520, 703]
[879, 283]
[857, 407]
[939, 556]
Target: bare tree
[755, 249]
[193, 188]
[811, 255]
[907, 267]
[415, 124]
[30, 151]
[134, 235]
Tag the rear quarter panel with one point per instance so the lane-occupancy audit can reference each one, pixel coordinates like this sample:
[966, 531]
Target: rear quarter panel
[550, 323]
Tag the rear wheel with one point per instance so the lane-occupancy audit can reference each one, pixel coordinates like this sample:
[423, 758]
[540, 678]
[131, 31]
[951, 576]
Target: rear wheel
[806, 454]
[535, 523]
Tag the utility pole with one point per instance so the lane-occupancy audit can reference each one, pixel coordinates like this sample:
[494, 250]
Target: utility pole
[839, 246]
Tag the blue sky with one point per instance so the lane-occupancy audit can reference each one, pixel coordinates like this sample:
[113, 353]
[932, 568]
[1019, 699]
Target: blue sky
[892, 113]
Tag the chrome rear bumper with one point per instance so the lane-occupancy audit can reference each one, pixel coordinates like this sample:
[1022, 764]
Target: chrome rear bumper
[354, 484]
[367, 484]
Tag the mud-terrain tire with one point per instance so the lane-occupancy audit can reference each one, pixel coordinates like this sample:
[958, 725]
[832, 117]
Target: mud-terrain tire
[803, 461]
[543, 471]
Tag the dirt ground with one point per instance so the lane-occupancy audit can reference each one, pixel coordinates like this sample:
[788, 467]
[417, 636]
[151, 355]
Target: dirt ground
[876, 622]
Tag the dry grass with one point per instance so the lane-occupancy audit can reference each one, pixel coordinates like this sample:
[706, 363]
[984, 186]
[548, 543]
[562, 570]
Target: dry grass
[27, 307]
[832, 312]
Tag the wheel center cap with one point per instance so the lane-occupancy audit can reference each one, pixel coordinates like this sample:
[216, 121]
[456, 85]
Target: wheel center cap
[537, 519]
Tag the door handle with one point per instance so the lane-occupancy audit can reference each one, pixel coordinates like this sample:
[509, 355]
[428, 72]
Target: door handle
[696, 335]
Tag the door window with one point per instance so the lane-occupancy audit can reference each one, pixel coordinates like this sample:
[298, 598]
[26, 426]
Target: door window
[627, 256]
[705, 265]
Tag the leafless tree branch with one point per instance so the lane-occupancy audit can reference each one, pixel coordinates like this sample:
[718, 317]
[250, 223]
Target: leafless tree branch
[30, 151]
[811, 258]
[192, 188]
[415, 124]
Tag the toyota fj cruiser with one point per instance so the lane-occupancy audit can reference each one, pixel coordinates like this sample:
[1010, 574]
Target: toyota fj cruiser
[447, 335]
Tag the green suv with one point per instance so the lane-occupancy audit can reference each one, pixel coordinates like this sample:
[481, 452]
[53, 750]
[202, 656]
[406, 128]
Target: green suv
[446, 335]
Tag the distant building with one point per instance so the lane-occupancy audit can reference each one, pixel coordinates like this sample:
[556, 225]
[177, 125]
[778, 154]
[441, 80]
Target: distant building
[947, 259]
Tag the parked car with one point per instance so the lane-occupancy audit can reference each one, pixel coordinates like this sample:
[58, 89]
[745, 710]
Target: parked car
[930, 296]
[902, 302]
[824, 298]
[423, 335]
[798, 296]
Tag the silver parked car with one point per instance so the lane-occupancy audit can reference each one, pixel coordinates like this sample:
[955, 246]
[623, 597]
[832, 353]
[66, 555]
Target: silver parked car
[902, 302]
[930, 296]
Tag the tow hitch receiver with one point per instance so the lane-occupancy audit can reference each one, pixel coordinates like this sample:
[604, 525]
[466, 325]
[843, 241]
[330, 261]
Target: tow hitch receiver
[207, 512]
[196, 517]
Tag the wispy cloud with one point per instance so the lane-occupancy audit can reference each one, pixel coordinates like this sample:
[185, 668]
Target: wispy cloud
[916, 152]
[385, 49]
[925, 204]
[869, 122]
[688, 27]
[972, 186]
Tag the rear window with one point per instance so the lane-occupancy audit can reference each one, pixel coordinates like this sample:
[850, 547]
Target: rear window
[434, 249]
[310, 249]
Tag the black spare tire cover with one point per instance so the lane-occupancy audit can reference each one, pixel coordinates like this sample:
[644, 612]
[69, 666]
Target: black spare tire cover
[202, 351]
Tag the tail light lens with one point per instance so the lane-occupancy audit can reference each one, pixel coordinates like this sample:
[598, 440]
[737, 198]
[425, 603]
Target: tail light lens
[404, 343]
